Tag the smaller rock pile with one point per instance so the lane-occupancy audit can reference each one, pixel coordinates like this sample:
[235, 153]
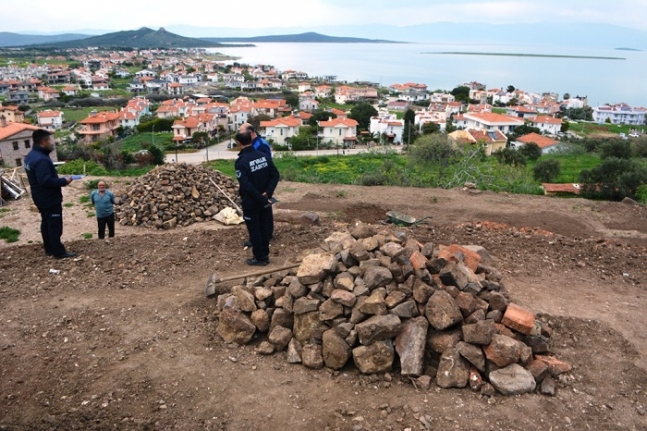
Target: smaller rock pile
[389, 302]
[177, 194]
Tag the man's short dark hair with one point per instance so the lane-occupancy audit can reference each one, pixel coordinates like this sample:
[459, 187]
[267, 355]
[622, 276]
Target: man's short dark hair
[39, 135]
[243, 138]
[250, 128]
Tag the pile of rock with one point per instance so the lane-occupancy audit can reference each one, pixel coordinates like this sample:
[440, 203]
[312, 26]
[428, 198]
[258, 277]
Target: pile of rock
[175, 194]
[389, 302]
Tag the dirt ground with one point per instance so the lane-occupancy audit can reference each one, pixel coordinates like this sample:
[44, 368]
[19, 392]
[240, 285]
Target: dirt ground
[122, 337]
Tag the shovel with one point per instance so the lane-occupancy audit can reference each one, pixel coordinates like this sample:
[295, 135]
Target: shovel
[212, 286]
[238, 210]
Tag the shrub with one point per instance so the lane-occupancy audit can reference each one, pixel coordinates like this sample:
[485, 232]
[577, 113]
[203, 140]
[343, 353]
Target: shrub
[9, 234]
[641, 194]
[546, 171]
[531, 151]
[80, 166]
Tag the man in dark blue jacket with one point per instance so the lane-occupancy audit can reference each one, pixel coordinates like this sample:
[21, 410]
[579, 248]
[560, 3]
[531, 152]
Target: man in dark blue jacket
[260, 144]
[46, 192]
[257, 178]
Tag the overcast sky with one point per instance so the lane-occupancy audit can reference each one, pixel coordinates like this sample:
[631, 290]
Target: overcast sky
[65, 16]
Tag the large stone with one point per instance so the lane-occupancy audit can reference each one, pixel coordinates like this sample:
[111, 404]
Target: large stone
[362, 230]
[311, 356]
[376, 358]
[378, 328]
[422, 291]
[330, 309]
[410, 345]
[338, 241]
[335, 350]
[305, 326]
[294, 351]
[458, 253]
[280, 337]
[503, 350]
[453, 370]
[374, 304]
[261, 320]
[235, 327]
[244, 299]
[314, 267]
[343, 297]
[377, 276]
[283, 318]
[513, 380]
[345, 281]
[392, 249]
[442, 312]
[480, 332]
[305, 305]
[473, 354]
[459, 275]
[406, 309]
[439, 341]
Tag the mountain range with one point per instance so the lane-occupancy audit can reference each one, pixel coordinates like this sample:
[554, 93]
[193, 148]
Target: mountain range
[147, 38]
[568, 35]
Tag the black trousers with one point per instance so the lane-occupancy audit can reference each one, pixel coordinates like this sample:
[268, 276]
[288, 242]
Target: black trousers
[106, 221]
[257, 220]
[51, 229]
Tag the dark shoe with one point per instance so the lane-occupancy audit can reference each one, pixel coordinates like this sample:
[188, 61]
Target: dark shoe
[48, 253]
[66, 255]
[255, 262]
[247, 243]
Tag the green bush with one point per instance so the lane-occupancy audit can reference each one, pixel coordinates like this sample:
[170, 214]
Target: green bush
[641, 194]
[9, 234]
[80, 166]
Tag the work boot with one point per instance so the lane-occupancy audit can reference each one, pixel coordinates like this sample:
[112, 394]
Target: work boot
[247, 243]
[255, 262]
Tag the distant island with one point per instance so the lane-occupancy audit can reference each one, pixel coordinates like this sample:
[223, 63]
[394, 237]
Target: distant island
[504, 54]
[628, 49]
[146, 38]
[309, 37]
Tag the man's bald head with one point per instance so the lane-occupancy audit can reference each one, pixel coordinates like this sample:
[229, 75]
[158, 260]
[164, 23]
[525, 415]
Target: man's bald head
[247, 128]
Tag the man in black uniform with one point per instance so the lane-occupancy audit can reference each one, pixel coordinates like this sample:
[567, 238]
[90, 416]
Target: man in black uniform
[257, 178]
[46, 192]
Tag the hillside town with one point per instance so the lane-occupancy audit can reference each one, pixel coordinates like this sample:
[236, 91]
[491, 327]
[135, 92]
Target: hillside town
[187, 86]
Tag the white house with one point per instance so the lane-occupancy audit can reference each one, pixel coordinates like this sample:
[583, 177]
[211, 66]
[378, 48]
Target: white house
[281, 130]
[339, 131]
[490, 121]
[546, 144]
[388, 126]
[547, 124]
[50, 119]
[620, 113]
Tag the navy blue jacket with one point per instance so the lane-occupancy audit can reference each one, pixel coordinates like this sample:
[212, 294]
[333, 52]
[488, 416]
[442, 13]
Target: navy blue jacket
[43, 179]
[256, 175]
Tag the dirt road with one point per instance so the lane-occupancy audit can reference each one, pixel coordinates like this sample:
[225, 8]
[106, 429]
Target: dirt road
[123, 338]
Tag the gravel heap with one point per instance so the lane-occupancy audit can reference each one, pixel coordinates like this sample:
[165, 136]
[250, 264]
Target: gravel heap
[175, 194]
[433, 313]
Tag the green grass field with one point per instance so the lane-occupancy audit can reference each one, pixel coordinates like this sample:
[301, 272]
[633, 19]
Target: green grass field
[78, 114]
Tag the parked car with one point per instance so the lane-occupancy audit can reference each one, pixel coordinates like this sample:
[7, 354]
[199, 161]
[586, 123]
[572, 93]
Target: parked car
[634, 135]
